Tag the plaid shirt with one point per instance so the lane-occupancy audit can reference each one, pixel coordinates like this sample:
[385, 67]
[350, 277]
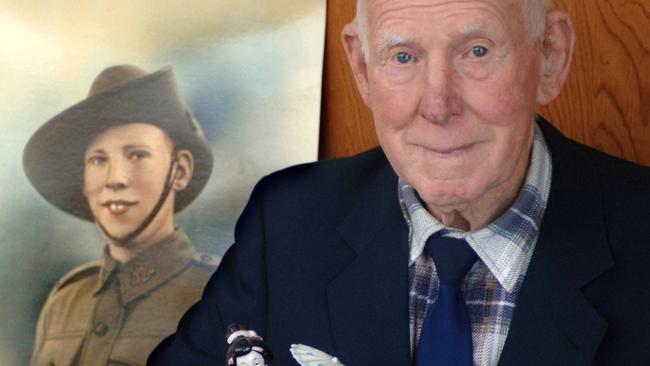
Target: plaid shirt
[504, 249]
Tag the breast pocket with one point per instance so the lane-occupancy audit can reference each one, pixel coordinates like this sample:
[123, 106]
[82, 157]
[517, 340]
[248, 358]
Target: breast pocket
[60, 351]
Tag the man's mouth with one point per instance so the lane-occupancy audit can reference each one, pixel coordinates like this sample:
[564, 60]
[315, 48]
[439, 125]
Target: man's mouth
[451, 150]
[118, 207]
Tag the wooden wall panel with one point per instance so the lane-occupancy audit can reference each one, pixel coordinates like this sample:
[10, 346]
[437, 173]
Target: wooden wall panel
[605, 104]
[346, 123]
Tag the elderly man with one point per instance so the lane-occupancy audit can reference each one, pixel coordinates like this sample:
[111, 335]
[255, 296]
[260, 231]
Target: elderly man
[477, 234]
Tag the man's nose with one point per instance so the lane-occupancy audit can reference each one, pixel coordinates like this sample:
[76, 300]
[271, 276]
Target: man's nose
[440, 100]
[117, 176]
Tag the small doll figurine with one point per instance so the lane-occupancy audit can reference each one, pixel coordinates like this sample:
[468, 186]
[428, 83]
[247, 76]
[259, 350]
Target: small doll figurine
[246, 347]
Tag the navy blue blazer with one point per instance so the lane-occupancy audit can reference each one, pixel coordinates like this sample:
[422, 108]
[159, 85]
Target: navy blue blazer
[320, 258]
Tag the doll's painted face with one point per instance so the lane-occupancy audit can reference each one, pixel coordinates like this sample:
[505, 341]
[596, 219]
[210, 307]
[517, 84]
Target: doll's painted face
[251, 359]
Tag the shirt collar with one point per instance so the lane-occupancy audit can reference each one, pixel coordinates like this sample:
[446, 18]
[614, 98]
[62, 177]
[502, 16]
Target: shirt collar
[148, 269]
[505, 245]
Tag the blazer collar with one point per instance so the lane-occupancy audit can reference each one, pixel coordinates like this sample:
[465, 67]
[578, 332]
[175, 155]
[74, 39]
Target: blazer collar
[553, 323]
[368, 301]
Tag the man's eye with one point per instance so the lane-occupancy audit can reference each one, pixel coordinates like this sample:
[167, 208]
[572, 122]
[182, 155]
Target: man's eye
[96, 160]
[403, 57]
[137, 155]
[479, 51]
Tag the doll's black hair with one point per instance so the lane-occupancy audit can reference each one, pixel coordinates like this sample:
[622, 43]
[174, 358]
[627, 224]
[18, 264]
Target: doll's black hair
[243, 345]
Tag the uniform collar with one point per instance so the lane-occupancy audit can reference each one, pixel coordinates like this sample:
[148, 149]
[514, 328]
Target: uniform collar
[149, 269]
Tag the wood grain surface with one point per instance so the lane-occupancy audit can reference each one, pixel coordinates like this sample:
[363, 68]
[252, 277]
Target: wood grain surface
[346, 123]
[605, 103]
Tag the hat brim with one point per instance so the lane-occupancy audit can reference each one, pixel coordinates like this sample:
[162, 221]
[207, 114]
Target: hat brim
[54, 156]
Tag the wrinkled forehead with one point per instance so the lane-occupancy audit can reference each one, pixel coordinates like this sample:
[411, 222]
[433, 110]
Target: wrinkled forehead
[462, 15]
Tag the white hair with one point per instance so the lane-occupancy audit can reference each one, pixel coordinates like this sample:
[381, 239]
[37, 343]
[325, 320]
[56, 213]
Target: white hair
[533, 12]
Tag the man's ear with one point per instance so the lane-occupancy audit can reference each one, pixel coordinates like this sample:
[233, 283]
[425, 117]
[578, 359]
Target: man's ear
[354, 51]
[183, 171]
[557, 51]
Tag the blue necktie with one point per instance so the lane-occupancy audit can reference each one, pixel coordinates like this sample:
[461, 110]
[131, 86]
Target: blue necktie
[446, 336]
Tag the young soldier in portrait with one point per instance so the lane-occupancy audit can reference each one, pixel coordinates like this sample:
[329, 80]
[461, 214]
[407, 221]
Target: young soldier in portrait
[127, 158]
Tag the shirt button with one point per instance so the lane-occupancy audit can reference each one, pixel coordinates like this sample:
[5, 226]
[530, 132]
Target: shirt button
[101, 329]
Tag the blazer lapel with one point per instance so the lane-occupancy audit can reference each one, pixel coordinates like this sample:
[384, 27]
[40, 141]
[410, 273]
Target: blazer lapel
[553, 323]
[368, 301]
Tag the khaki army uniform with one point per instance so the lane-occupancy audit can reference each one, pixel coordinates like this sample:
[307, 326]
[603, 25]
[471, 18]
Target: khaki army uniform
[106, 313]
